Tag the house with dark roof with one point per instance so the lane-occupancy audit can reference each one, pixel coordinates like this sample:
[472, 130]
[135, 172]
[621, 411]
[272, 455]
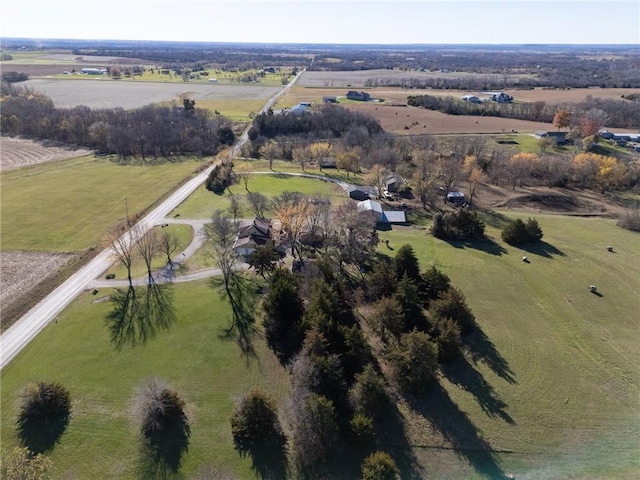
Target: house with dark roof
[361, 96]
[559, 137]
[358, 192]
[393, 182]
[251, 235]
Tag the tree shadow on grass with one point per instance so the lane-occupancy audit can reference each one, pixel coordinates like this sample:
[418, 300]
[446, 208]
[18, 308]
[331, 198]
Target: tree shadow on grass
[40, 435]
[465, 376]
[161, 455]
[486, 245]
[542, 249]
[269, 458]
[483, 350]
[345, 460]
[456, 428]
[139, 313]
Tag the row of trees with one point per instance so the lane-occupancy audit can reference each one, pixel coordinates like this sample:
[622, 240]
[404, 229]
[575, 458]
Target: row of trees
[150, 131]
[614, 113]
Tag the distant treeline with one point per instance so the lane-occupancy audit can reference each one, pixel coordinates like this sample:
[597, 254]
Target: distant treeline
[197, 59]
[616, 113]
[150, 131]
[511, 68]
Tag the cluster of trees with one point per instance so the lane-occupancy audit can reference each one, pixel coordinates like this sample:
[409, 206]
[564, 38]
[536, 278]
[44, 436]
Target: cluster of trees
[517, 232]
[614, 113]
[14, 77]
[461, 224]
[327, 122]
[150, 131]
[338, 393]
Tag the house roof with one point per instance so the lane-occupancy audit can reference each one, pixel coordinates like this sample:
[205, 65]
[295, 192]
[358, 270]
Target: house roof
[370, 205]
[393, 216]
[258, 227]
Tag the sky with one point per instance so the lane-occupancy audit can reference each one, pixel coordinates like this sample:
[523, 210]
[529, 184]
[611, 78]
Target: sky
[328, 22]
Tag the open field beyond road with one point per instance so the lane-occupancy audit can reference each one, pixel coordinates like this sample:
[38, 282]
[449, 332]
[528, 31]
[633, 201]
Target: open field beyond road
[21, 152]
[69, 205]
[550, 377]
[105, 93]
[21, 271]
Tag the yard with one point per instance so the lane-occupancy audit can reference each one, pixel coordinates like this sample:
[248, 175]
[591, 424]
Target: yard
[550, 389]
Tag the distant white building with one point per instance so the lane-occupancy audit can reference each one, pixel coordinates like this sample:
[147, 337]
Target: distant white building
[94, 71]
[471, 99]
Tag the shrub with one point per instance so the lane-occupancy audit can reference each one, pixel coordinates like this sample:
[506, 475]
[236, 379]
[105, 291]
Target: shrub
[368, 393]
[44, 414]
[415, 362]
[163, 422]
[255, 422]
[452, 304]
[448, 340]
[631, 220]
[379, 466]
[362, 427]
[22, 464]
[518, 232]
[44, 402]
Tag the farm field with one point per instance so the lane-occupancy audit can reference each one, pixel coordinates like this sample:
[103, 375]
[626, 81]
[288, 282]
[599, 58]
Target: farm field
[337, 83]
[103, 93]
[21, 152]
[551, 389]
[84, 198]
[397, 118]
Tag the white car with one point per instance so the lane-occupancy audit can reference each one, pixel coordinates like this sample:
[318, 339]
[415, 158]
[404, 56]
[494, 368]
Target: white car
[388, 194]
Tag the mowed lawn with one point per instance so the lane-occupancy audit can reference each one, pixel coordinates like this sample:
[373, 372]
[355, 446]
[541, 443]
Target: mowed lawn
[553, 388]
[202, 203]
[559, 387]
[68, 206]
[101, 440]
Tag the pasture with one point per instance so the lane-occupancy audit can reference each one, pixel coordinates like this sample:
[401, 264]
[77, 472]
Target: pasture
[547, 389]
[101, 440]
[69, 205]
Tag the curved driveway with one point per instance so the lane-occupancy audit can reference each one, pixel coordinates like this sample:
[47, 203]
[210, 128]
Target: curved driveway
[27, 327]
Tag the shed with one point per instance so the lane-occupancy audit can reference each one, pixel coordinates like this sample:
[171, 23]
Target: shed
[329, 99]
[373, 208]
[358, 193]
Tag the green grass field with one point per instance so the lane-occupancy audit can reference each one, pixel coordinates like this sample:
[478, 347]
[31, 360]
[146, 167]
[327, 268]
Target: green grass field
[68, 206]
[571, 386]
[101, 441]
[203, 202]
[550, 382]
[184, 234]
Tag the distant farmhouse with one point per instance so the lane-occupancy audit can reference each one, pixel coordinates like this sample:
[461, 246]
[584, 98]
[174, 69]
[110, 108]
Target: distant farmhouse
[501, 97]
[94, 71]
[251, 235]
[361, 96]
[393, 182]
[471, 99]
[559, 137]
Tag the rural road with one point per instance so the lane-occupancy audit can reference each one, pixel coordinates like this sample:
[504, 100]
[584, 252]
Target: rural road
[27, 327]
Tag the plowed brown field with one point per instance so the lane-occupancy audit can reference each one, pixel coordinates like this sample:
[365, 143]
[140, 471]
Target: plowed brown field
[20, 152]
